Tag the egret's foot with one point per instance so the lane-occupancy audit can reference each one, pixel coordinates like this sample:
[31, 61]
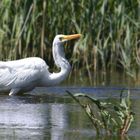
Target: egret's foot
[14, 91]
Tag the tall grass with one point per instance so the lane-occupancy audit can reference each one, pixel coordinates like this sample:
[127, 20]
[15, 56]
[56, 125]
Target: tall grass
[111, 32]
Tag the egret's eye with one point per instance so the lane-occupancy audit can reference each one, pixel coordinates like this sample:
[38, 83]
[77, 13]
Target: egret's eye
[61, 38]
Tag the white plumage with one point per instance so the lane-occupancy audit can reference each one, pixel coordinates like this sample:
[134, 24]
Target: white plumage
[25, 74]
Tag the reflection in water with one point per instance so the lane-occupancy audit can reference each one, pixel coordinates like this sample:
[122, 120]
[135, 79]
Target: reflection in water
[33, 119]
[54, 116]
[19, 119]
[20, 116]
[59, 121]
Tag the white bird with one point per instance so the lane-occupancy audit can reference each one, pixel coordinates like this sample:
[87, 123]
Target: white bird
[24, 75]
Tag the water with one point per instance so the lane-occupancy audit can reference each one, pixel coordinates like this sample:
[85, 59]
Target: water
[49, 113]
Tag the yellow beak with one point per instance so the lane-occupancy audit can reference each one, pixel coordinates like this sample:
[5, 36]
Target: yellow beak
[70, 37]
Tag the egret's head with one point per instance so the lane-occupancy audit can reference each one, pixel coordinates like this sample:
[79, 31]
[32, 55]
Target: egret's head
[58, 50]
[60, 39]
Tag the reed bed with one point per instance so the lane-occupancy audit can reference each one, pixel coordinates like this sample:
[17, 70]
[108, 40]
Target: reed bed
[110, 29]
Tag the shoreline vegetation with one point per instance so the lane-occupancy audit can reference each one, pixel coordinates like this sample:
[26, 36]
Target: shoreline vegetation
[110, 29]
[109, 117]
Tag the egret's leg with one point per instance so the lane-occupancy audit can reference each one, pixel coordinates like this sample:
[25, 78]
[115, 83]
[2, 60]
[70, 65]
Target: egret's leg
[14, 91]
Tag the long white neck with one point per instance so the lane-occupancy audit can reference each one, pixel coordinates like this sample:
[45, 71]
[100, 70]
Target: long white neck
[61, 62]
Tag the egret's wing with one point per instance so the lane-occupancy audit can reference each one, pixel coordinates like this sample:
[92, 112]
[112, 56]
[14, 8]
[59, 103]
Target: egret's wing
[21, 77]
[20, 74]
[26, 63]
[5, 77]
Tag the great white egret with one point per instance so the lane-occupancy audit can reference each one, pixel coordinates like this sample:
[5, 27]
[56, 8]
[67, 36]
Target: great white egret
[25, 74]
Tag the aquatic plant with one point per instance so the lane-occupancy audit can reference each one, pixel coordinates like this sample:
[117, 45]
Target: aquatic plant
[112, 118]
